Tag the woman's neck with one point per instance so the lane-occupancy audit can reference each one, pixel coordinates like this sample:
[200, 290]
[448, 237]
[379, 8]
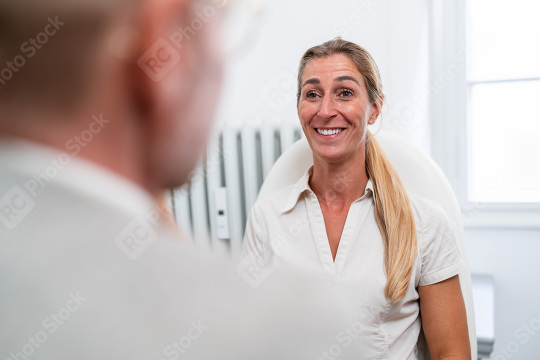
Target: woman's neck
[338, 184]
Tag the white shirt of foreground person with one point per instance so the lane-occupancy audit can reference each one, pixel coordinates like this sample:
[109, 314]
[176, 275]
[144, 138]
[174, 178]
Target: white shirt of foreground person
[288, 228]
[87, 272]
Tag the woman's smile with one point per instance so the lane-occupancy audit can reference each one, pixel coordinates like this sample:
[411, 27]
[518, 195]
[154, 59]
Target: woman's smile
[330, 133]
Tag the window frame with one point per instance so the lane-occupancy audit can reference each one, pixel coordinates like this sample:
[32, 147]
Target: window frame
[449, 97]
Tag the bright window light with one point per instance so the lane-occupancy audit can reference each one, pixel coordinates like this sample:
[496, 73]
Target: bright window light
[504, 101]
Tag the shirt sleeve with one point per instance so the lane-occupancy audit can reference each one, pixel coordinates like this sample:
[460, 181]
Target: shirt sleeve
[438, 249]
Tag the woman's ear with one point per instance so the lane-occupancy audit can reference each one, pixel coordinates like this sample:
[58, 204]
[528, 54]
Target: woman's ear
[375, 113]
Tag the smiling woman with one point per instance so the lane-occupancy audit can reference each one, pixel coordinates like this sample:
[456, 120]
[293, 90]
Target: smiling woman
[394, 251]
[335, 108]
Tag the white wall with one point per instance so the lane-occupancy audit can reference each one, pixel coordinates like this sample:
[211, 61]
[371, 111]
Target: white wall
[260, 83]
[512, 258]
[261, 78]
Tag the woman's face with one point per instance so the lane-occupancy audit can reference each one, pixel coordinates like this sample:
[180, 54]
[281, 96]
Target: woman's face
[334, 108]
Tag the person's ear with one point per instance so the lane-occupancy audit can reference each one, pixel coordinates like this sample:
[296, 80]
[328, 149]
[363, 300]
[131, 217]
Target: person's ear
[157, 55]
[375, 113]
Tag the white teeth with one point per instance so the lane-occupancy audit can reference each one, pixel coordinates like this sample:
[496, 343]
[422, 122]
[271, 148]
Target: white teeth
[329, 132]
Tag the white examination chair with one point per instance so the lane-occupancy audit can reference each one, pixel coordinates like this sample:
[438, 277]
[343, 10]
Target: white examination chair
[419, 174]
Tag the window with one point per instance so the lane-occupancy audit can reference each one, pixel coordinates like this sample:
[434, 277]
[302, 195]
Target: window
[485, 106]
[503, 83]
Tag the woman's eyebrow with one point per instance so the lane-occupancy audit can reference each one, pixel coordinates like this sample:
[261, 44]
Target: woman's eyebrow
[346, 77]
[338, 79]
[312, 81]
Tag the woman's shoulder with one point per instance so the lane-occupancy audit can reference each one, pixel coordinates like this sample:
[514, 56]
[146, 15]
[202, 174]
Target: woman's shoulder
[428, 214]
[439, 257]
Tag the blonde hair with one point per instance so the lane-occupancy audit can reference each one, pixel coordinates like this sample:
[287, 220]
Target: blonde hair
[393, 210]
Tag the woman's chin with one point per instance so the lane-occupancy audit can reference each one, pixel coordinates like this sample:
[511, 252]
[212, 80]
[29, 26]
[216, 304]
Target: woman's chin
[325, 151]
[330, 156]
[334, 154]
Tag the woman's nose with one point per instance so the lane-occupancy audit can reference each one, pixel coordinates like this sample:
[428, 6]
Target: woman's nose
[328, 108]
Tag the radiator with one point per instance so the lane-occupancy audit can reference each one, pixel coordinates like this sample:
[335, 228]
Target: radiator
[212, 209]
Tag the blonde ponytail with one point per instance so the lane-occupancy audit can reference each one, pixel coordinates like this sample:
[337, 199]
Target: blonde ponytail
[394, 218]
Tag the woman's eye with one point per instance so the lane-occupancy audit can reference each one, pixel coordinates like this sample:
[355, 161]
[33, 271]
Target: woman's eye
[346, 93]
[311, 94]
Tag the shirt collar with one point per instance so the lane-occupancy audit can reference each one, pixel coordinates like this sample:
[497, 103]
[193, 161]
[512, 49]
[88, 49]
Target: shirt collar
[302, 185]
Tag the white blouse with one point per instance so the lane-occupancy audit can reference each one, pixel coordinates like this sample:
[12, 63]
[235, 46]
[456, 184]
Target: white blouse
[287, 228]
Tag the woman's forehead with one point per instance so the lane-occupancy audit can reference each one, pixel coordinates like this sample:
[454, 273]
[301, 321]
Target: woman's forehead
[332, 65]
[330, 68]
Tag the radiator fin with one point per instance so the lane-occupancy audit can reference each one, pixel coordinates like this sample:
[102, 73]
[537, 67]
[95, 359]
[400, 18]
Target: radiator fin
[238, 159]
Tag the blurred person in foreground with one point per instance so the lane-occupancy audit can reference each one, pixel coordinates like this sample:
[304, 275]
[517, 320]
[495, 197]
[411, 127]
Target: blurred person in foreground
[104, 105]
